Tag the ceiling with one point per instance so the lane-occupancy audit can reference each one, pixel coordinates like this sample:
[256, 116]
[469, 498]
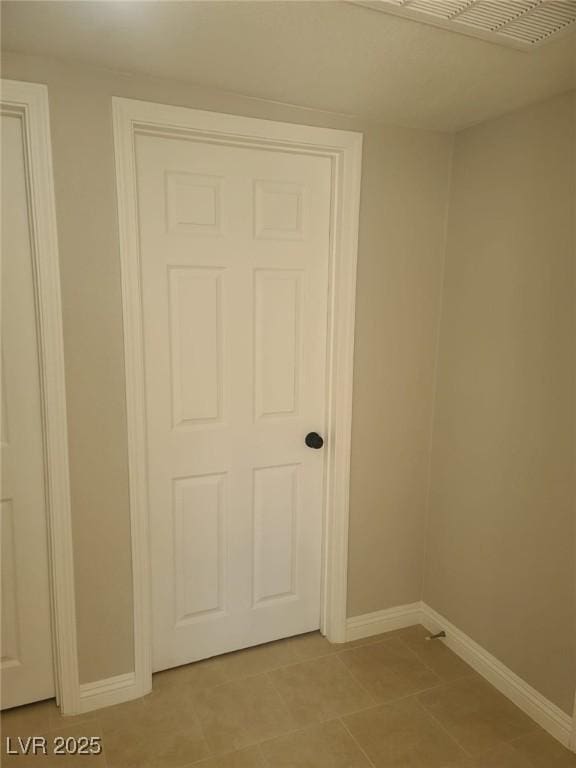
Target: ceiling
[333, 56]
[518, 23]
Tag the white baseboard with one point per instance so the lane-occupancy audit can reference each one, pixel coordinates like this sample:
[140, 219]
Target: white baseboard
[105, 693]
[116, 690]
[387, 620]
[528, 699]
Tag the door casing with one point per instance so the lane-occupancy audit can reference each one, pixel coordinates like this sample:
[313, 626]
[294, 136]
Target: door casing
[29, 101]
[344, 149]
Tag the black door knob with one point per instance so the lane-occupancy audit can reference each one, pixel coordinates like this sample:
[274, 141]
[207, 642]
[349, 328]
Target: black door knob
[313, 440]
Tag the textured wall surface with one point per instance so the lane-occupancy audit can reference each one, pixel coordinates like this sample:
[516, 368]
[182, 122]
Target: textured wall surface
[403, 199]
[501, 554]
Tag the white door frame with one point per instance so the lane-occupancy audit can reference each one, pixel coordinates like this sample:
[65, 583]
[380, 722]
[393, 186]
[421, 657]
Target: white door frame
[344, 149]
[29, 101]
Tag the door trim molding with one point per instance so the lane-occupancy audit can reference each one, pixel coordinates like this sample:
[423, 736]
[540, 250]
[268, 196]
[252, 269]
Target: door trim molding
[344, 149]
[30, 102]
[105, 693]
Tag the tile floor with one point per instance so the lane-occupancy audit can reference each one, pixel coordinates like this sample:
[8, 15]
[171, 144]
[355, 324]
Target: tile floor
[391, 701]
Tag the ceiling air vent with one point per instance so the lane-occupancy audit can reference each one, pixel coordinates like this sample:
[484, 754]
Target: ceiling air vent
[519, 23]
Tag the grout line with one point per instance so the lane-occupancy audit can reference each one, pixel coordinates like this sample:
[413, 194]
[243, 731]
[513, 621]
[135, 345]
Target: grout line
[294, 731]
[372, 705]
[269, 676]
[362, 642]
[334, 651]
[390, 702]
[442, 727]
[361, 684]
[263, 759]
[281, 699]
[415, 693]
[358, 682]
[309, 727]
[474, 754]
[198, 720]
[539, 731]
[421, 661]
[443, 681]
[355, 740]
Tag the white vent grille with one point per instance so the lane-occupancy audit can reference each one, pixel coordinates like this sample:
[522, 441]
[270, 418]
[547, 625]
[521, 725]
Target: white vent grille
[520, 23]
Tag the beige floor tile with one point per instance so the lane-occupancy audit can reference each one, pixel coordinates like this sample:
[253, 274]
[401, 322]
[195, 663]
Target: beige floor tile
[241, 713]
[434, 654]
[55, 760]
[464, 762]
[320, 689]
[165, 710]
[31, 720]
[44, 719]
[259, 659]
[139, 748]
[503, 756]
[366, 641]
[476, 714]
[172, 707]
[160, 731]
[312, 646]
[58, 721]
[389, 670]
[26, 761]
[250, 757]
[275, 706]
[200, 674]
[328, 745]
[540, 750]
[78, 730]
[403, 735]
[121, 716]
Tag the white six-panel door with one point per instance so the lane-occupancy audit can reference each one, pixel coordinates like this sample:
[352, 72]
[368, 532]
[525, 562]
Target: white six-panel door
[234, 265]
[26, 664]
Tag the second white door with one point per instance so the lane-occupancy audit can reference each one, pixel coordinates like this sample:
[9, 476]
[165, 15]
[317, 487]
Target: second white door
[26, 640]
[234, 258]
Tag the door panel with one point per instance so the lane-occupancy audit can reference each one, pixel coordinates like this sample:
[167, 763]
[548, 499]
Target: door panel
[195, 301]
[26, 663]
[234, 259]
[276, 513]
[278, 349]
[199, 516]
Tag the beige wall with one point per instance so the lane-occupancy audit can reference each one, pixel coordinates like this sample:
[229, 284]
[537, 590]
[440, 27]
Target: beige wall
[500, 561]
[403, 201]
[403, 214]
